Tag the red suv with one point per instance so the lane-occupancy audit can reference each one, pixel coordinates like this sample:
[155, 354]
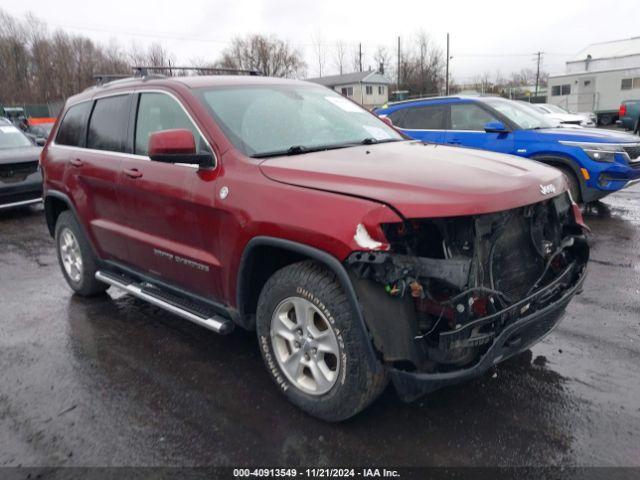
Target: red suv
[356, 254]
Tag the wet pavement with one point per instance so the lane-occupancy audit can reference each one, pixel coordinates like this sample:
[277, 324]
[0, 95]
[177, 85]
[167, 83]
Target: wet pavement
[114, 381]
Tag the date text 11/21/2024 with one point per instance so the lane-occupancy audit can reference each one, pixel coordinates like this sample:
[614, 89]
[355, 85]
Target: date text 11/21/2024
[316, 472]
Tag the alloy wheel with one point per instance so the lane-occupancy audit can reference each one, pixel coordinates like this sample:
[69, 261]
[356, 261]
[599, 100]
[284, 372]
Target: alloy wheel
[305, 345]
[70, 254]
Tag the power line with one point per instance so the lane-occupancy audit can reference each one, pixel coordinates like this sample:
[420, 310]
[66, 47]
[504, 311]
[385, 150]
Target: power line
[193, 38]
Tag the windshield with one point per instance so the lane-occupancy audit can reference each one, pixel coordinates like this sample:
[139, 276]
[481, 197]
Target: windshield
[524, 116]
[11, 137]
[555, 108]
[268, 120]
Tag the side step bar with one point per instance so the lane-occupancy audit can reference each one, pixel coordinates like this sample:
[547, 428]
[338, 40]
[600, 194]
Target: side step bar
[184, 308]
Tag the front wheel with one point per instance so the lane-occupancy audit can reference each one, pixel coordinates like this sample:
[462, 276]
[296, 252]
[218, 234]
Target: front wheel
[574, 186]
[313, 348]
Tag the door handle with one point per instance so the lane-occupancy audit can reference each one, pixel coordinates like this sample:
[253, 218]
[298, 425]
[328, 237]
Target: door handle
[76, 162]
[133, 173]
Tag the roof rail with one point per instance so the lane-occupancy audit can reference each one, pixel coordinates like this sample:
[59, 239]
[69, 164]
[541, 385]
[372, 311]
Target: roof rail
[144, 71]
[151, 72]
[418, 98]
[103, 78]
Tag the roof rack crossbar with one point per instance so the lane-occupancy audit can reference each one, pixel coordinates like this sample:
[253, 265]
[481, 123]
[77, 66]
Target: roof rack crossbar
[144, 70]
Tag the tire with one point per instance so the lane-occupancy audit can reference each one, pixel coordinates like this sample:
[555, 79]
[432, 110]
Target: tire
[76, 258]
[606, 120]
[574, 186]
[309, 286]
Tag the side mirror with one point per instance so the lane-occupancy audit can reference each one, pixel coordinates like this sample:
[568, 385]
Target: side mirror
[177, 146]
[495, 127]
[41, 141]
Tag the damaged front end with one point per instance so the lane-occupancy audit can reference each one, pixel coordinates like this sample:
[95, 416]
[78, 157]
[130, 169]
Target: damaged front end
[454, 296]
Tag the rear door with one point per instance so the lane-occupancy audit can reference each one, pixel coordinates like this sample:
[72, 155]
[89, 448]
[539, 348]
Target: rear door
[94, 154]
[165, 204]
[466, 128]
[423, 122]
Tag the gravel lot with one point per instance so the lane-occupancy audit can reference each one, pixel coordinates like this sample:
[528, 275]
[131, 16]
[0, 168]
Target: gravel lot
[114, 381]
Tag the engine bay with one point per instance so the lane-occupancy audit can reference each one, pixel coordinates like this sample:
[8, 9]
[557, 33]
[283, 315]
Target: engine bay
[458, 282]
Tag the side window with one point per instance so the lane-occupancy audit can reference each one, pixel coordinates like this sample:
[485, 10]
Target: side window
[429, 117]
[468, 116]
[397, 116]
[156, 112]
[108, 124]
[73, 125]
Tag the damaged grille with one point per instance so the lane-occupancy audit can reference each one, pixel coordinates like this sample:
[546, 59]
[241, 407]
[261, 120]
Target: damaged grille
[470, 277]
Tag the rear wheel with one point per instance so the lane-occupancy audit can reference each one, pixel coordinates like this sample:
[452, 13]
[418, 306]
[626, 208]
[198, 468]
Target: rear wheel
[77, 261]
[605, 120]
[312, 346]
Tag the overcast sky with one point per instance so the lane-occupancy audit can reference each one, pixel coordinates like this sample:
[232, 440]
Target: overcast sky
[485, 36]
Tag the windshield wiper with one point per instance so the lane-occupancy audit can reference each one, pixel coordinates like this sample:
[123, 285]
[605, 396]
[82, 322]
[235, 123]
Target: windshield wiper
[297, 150]
[371, 140]
[300, 149]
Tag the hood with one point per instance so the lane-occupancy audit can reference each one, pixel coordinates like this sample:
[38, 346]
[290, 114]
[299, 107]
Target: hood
[595, 135]
[566, 117]
[19, 155]
[421, 180]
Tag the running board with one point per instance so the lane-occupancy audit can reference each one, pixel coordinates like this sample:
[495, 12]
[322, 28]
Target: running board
[197, 313]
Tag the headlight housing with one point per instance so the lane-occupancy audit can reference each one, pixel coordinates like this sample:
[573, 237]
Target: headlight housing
[600, 152]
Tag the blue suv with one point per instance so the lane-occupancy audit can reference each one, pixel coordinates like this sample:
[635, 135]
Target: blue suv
[596, 162]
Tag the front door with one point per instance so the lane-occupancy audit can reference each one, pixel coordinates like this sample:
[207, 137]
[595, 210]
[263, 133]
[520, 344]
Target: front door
[466, 129]
[164, 203]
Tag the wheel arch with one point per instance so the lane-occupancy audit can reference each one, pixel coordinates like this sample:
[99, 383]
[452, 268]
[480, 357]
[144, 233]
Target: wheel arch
[56, 202]
[263, 256]
[556, 160]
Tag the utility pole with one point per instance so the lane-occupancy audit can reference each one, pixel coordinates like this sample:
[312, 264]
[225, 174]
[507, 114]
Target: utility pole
[398, 86]
[538, 72]
[360, 55]
[446, 91]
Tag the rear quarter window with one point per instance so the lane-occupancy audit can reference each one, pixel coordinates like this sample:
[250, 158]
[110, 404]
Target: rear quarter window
[109, 124]
[72, 129]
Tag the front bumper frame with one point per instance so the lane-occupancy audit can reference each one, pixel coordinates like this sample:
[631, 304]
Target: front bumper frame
[515, 338]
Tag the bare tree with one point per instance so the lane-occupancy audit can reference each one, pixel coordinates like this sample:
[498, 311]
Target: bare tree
[356, 61]
[270, 55]
[422, 66]
[39, 67]
[382, 57]
[319, 51]
[340, 56]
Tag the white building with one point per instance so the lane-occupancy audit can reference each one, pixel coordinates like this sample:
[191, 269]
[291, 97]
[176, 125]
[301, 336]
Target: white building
[598, 79]
[369, 89]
